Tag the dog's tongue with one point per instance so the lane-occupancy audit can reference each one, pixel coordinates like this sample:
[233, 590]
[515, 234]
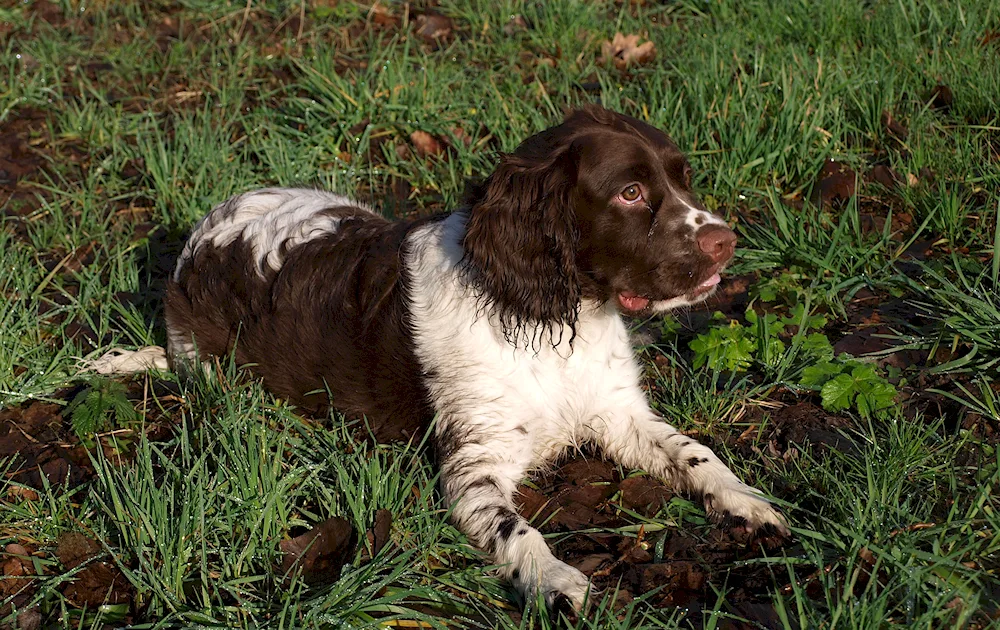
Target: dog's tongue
[632, 302]
[711, 282]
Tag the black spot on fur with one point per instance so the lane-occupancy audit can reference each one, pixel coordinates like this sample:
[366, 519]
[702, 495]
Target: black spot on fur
[522, 532]
[506, 527]
[515, 574]
[451, 437]
[694, 461]
[461, 465]
[482, 482]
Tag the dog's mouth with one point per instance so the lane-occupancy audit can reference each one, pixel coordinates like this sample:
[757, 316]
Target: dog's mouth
[635, 303]
[631, 302]
[707, 285]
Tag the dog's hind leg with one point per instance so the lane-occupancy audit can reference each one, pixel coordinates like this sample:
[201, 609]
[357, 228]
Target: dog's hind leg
[118, 361]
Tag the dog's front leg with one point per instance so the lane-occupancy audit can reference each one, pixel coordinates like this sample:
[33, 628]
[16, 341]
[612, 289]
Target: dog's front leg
[479, 475]
[645, 440]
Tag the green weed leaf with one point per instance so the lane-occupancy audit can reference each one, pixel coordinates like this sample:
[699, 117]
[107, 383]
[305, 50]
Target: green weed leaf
[838, 393]
[815, 376]
[798, 317]
[99, 403]
[817, 345]
[723, 349]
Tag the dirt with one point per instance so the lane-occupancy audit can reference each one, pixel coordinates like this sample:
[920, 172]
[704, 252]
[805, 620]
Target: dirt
[677, 567]
[96, 580]
[44, 452]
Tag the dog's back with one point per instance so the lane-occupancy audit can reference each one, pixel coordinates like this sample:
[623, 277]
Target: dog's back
[307, 286]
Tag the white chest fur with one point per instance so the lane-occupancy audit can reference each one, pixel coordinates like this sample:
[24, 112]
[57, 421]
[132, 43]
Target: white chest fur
[551, 394]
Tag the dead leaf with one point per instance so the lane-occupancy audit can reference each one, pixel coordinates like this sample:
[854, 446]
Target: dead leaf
[941, 97]
[378, 535]
[425, 144]
[460, 136]
[885, 176]
[894, 127]
[321, 552]
[590, 563]
[837, 183]
[433, 28]
[17, 565]
[21, 493]
[516, 24]
[74, 548]
[382, 16]
[625, 51]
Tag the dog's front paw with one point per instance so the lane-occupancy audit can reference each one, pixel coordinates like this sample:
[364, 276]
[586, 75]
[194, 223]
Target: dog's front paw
[557, 582]
[745, 510]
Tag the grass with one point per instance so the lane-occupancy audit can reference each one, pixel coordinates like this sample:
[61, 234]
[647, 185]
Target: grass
[147, 114]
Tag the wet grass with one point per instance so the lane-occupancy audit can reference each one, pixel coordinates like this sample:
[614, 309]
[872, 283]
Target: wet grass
[122, 123]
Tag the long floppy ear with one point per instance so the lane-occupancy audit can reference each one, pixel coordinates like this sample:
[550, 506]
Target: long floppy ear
[520, 243]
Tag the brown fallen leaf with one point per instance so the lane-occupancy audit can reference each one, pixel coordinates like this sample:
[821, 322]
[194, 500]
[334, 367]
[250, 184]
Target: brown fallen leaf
[14, 568]
[837, 183]
[941, 97]
[383, 17]
[378, 535]
[516, 24]
[74, 548]
[625, 51]
[433, 28]
[21, 493]
[460, 136]
[321, 552]
[425, 144]
[592, 562]
[885, 176]
[894, 127]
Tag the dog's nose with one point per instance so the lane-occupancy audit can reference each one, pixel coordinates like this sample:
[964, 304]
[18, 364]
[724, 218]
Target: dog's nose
[718, 241]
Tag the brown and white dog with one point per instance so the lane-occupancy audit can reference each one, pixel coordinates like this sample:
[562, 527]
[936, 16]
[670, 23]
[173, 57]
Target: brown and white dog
[502, 320]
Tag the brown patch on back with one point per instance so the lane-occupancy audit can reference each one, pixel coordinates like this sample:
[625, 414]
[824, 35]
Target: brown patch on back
[330, 328]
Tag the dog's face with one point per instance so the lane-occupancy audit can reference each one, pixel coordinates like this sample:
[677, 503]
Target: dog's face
[644, 238]
[599, 207]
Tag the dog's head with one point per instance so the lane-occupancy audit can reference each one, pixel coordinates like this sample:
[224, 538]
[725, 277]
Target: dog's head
[599, 207]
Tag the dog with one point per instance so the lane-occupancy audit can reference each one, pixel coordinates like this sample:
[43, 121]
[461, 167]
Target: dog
[501, 322]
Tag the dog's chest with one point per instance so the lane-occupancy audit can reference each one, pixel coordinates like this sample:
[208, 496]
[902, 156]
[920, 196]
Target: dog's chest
[475, 376]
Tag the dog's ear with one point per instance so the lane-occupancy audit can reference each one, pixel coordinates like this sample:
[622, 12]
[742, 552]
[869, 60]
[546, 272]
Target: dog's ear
[520, 242]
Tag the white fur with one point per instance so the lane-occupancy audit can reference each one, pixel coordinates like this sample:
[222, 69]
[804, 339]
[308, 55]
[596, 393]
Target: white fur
[268, 219]
[706, 218]
[521, 408]
[119, 361]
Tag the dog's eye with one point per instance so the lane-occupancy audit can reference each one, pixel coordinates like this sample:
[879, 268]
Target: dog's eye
[631, 193]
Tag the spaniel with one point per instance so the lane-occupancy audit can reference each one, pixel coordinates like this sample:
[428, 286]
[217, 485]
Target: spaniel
[501, 323]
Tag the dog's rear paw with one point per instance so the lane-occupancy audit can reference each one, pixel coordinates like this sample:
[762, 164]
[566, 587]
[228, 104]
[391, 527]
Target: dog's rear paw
[745, 510]
[560, 585]
[118, 361]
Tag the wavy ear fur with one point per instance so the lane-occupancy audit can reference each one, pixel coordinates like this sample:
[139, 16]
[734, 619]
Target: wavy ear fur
[520, 241]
